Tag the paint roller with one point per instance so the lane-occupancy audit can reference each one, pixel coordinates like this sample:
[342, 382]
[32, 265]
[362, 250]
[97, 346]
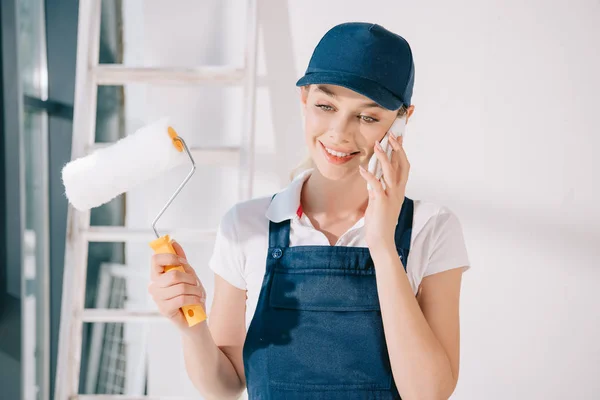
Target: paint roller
[108, 172]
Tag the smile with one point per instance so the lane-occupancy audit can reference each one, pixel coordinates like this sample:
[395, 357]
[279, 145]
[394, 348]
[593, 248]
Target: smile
[337, 157]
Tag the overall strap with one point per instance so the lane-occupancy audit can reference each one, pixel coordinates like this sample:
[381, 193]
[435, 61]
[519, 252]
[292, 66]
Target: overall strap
[404, 230]
[279, 232]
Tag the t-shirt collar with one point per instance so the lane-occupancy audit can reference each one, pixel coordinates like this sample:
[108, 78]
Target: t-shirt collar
[286, 204]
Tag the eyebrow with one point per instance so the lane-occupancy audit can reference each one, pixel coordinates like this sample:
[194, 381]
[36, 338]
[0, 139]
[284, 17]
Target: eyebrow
[329, 93]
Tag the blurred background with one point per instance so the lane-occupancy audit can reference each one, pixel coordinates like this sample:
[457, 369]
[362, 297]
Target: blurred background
[506, 95]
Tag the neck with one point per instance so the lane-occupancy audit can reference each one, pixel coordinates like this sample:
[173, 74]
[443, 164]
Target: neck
[344, 198]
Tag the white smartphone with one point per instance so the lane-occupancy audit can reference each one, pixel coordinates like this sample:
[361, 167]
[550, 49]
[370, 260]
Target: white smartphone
[398, 128]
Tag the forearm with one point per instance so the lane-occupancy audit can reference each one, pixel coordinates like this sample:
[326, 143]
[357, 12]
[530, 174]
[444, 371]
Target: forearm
[420, 365]
[209, 369]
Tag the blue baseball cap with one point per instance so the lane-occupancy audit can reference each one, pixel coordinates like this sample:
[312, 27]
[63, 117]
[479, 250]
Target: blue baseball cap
[366, 58]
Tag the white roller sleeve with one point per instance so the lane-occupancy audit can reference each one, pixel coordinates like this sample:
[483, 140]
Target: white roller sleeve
[96, 179]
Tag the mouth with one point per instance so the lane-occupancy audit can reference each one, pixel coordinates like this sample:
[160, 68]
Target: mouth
[337, 157]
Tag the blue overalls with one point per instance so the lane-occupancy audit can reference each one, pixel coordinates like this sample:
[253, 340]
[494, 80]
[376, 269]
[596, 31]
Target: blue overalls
[317, 333]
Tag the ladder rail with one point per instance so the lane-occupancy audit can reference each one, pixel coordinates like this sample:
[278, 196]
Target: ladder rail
[76, 251]
[102, 300]
[246, 174]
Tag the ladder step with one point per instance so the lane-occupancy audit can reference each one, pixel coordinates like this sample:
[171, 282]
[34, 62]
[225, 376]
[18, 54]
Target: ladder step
[115, 234]
[118, 74]
[222, 156]
[118, 315]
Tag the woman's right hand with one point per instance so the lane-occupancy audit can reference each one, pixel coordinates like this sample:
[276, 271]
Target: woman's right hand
[174, 289]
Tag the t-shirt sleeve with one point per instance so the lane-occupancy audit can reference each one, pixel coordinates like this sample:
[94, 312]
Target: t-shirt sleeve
[227, 258]
[448, 250]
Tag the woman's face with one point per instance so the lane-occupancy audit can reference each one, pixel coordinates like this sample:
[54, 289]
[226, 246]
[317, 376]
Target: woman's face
[341, 128]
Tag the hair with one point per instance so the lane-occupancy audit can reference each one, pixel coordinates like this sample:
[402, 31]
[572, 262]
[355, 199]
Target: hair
[308, 162]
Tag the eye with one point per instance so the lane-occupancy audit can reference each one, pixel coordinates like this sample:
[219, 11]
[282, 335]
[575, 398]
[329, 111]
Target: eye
[324, 107]
[368, 119]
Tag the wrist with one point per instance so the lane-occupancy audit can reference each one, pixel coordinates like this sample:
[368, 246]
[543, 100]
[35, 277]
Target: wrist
[381, 240]
[382, 247]
[197, 333]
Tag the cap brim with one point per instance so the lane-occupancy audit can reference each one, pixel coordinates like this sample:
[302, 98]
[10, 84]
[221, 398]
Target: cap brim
[366, 87]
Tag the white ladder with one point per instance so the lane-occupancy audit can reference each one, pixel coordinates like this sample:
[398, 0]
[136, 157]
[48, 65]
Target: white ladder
[89, 74]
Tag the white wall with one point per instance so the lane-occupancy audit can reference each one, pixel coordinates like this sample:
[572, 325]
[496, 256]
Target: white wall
[506, 96]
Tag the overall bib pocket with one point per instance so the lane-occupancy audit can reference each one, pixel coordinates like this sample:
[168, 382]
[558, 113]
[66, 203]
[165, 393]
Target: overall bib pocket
[325, 331]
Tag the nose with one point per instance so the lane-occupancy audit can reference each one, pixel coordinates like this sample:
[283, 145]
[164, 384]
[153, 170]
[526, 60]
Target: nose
[341, 128]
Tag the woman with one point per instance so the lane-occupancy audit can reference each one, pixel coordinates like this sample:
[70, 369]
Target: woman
[338, 310]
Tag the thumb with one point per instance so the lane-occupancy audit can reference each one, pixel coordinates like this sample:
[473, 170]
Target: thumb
[178, 249]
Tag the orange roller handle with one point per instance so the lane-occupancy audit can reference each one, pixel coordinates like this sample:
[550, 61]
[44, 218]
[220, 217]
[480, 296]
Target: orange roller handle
[194, 314]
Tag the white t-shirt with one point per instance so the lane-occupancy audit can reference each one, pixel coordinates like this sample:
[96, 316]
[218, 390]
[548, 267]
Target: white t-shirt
[240, 252]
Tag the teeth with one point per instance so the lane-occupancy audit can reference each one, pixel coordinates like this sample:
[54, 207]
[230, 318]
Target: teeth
[336, 153]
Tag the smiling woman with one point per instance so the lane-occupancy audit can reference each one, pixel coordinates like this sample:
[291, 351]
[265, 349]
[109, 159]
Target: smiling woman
[358, 295]
[368, 117]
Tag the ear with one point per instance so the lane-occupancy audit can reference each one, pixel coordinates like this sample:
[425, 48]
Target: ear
[409, 112]
[304, 94]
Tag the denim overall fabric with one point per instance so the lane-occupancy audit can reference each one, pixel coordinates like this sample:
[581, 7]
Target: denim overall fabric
[317, 332]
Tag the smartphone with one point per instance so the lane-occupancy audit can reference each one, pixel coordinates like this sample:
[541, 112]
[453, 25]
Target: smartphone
[398, 128]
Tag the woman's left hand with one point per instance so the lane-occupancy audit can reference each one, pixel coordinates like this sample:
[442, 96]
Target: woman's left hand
[383, 210]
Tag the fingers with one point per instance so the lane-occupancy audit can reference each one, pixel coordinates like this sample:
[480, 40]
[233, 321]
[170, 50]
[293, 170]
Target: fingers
[178, 249]
[177, 302]
[376, 186]
[175, 289]
[395, 171]
[400, 160]
[171, 292]
[171, 308]
[388, 171]
[174, 277]
[160, 261]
